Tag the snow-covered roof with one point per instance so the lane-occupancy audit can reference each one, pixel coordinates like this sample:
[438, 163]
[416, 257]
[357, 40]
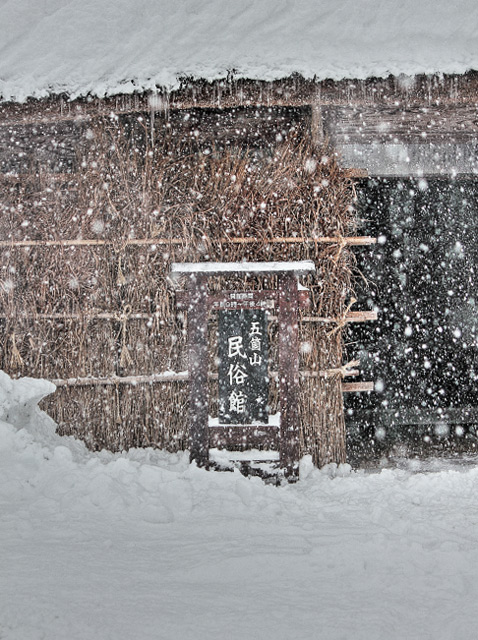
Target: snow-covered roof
[104, 47]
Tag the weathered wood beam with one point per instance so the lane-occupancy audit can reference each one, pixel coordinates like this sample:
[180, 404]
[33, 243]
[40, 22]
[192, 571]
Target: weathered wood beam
[170, 376]
[289, 373]
[197, 367]
[352, 316]
[356, 387]
[99, 242]
[367, 124]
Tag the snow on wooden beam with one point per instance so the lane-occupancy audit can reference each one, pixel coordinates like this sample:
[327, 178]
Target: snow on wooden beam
[219, 268]
[183, 376]
[167, 376]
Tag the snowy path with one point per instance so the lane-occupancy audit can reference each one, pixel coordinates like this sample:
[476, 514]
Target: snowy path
[144, 546]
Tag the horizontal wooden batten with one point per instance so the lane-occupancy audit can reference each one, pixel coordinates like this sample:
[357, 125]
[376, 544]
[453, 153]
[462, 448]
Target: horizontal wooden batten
[353, 316]
[97, 242]
[183, 376]
[357, 387]
[356, 173]
[247, 436]
[81, 317]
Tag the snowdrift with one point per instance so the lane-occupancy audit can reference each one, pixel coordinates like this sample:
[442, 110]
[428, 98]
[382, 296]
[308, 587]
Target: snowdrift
[145, 545]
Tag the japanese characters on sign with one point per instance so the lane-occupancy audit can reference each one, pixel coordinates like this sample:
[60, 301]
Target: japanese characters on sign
[242, 300]
[243, 361]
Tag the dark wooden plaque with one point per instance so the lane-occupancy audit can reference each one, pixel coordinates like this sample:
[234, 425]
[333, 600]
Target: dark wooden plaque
[243, 364]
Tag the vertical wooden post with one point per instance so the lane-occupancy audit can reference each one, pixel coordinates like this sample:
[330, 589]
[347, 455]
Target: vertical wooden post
[198, 368]
[289, 373]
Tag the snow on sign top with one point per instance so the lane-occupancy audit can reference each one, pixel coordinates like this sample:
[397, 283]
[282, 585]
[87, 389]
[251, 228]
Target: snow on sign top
[106, 47]
[181, 268]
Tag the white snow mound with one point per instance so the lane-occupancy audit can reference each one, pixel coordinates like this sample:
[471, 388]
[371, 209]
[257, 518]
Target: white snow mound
[144, 545]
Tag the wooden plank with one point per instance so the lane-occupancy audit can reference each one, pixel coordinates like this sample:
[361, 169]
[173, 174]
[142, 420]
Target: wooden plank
[357, 174]
[167, 376]
[182, 303]
[289, 374]
[198, 370]
[249, 436]
[352, 316]
[367, 124]
[357, 386]
[96, 242]
[82, 317]
[347, 240]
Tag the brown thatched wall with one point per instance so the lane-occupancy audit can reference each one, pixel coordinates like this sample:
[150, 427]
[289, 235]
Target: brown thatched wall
[84, 287]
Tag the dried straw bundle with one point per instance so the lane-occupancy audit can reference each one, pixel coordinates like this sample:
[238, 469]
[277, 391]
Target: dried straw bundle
[108, 309]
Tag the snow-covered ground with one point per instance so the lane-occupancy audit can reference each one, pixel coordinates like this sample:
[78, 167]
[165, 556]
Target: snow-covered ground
[96, 546]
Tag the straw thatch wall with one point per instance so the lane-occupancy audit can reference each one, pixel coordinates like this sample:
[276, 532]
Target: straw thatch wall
[84, 287]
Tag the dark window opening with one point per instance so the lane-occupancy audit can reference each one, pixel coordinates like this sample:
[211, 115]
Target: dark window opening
[423, 351]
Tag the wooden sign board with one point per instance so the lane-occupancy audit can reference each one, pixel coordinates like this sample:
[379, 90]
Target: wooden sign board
[236, 346]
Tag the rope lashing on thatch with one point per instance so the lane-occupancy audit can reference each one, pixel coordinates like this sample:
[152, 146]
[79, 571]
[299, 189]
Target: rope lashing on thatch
[342, 243]
[342, 321]
[16, 360]
[344, 370]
